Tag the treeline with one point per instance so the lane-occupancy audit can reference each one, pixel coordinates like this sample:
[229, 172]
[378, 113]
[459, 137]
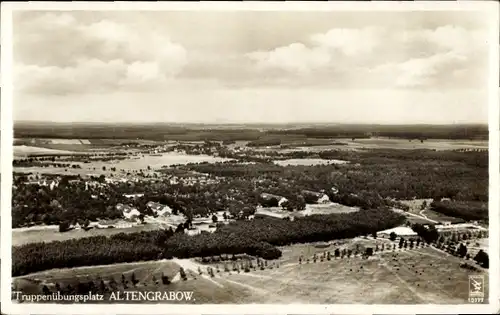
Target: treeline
[257, 237]
[467, 210]
[232, 133]
[364, 200]
[159, 132]
[320, 133]
[264, 142]
[88, 251]
[393, 131]
[315, 228]
[26, 163]
[377, 156]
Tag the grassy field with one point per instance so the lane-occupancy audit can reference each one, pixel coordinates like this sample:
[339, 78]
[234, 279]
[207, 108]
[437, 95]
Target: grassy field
[135, 163]
[386, 143]
[26, 236]
[311, 209]
[25, 150]
[308, 162]
[424, 275]
[327, 209]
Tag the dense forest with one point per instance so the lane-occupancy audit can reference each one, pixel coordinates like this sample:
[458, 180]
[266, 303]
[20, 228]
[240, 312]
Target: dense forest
[467, 210]
[243, 132]
[256, 237]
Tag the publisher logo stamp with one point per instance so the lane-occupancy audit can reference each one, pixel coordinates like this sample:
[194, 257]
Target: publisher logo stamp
[476, 289]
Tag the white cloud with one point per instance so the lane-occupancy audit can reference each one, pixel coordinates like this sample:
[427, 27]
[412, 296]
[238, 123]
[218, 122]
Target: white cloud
[95, 56]
[421, 72]
[378, 57]
[350, 42]
[294, 58]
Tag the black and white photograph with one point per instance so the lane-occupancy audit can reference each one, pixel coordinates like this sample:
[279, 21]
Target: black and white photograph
[240, 156]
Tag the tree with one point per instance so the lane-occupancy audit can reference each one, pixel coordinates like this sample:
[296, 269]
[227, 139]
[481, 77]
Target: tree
[164, 279]
[102, 286]
[112, 284]
[482, 259]
[182, 274]
[462, 250]
[214, 218]
[393, 236]
[46, 290]
[401, 242]
[133, 279]
[374, 234]
[337, 252]
[64, 226]
[369, 251]
[424, 205]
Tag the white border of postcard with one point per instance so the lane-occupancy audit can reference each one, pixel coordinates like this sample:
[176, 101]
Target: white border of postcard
[491, 12]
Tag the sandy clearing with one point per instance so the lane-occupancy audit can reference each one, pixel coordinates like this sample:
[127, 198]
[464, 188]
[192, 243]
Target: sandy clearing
[257, 290]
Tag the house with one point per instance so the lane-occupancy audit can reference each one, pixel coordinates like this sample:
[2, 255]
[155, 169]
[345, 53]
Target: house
[320, 197]
[133, 195]
[53, 184]
[128, 212]
[159, 209]
[266, 198]
[399, 231]
[43, 183]
[282, 201]
[76, 226]
[324, 199]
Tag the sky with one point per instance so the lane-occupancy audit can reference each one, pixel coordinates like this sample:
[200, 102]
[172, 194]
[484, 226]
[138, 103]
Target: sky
[253, 66]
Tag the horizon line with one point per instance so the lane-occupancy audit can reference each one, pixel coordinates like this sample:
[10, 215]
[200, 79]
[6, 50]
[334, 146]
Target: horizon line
[246, 123]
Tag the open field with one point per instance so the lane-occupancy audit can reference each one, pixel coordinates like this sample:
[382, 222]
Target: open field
[26, 235]
[413, 219]
[308, 162]
[424, 275]
[166, 159]
[311, 209]
[141, 162]
[385, 143]
[24, 150]
[327, 209]
[143, 271]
